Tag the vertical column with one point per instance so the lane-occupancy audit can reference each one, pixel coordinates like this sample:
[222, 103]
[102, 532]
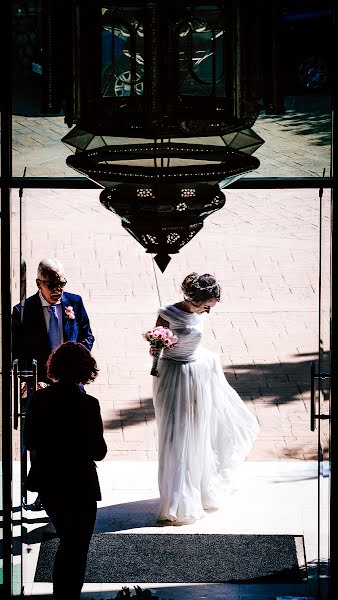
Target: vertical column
[6, 172]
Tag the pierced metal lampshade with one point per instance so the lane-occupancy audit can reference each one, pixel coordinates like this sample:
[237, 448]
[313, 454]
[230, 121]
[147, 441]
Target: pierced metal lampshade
[162, 191]
[163, 218]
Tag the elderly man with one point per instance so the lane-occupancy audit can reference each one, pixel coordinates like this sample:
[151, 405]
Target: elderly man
[46, 320]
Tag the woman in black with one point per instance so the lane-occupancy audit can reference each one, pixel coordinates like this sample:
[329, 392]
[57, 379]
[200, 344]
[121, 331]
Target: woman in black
[64, 433]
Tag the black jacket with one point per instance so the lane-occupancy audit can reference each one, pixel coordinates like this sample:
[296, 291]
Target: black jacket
[64, 432]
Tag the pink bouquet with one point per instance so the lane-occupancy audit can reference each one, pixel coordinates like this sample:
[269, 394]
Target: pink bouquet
[159, 337]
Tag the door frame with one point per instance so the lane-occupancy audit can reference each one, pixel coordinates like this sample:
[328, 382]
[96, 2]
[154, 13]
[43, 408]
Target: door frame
[7, 380]
[8, 182]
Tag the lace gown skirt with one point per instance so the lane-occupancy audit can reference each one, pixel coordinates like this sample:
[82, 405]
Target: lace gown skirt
[204, 429]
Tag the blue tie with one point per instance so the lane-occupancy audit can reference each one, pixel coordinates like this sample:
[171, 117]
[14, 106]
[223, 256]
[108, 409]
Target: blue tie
[53, 331]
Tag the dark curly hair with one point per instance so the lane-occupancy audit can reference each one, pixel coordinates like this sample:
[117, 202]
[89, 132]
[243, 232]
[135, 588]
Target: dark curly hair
[200, 288]
[72, 362]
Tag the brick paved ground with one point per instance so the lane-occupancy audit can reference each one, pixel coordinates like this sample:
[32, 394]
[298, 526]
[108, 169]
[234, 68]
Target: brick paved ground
[263, 247]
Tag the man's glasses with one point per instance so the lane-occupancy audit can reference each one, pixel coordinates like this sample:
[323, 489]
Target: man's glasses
[52, 285]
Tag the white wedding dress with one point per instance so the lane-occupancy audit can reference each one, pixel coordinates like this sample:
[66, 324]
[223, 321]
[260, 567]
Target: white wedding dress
[204, 428]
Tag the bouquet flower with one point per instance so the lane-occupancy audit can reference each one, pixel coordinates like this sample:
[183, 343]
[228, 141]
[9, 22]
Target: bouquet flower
[159, 337]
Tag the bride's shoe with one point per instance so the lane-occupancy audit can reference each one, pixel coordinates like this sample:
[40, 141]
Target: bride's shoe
[180, 522]
[164, 522]
[210, 509]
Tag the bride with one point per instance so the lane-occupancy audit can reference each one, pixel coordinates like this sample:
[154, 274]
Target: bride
[204, 428]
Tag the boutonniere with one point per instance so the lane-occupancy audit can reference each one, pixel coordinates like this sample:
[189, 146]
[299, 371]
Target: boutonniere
[69, 312]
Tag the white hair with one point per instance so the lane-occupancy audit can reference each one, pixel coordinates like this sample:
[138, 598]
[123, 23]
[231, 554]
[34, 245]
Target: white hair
[46, 265]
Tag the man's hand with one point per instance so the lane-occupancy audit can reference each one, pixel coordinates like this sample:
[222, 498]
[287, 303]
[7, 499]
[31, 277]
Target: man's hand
[42, 385]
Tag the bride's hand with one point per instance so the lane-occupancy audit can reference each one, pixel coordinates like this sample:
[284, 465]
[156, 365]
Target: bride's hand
[154, 351]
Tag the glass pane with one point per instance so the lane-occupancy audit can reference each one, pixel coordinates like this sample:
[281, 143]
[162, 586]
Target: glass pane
[201, 64]
[19, 521]
[10, 427]
[307, 46]
[122, 44]
[324, 368]
[298, 143]
[28, 58]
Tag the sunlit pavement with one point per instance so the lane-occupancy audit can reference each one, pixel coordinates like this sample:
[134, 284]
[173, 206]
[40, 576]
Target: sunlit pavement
[264, 498]
[263, 248]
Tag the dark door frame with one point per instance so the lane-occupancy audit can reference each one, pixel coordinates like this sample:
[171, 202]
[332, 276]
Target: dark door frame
[8, 182]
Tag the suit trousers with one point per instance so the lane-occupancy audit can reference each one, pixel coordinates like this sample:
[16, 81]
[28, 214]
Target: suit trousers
[74, 526]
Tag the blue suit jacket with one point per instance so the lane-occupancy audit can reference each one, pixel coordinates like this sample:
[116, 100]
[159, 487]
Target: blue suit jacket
[29, 333]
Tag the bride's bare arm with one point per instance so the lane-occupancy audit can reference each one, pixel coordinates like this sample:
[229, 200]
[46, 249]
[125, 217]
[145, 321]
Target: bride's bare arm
[161, 322]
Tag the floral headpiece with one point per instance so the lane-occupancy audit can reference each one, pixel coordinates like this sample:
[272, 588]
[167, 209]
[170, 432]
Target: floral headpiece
[208, 288]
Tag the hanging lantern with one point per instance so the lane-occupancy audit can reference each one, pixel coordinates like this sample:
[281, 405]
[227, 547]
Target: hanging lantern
[163, 107]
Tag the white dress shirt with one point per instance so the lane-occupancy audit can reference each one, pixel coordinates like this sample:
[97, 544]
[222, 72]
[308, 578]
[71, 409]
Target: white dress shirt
[45, 305]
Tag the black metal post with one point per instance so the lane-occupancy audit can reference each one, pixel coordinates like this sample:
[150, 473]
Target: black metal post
[6, 172]
[333, 582]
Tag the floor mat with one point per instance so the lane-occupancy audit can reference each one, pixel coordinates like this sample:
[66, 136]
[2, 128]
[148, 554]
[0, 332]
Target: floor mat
[185, 558]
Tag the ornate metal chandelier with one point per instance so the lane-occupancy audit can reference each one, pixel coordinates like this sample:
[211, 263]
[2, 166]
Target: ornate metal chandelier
[164, 100]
